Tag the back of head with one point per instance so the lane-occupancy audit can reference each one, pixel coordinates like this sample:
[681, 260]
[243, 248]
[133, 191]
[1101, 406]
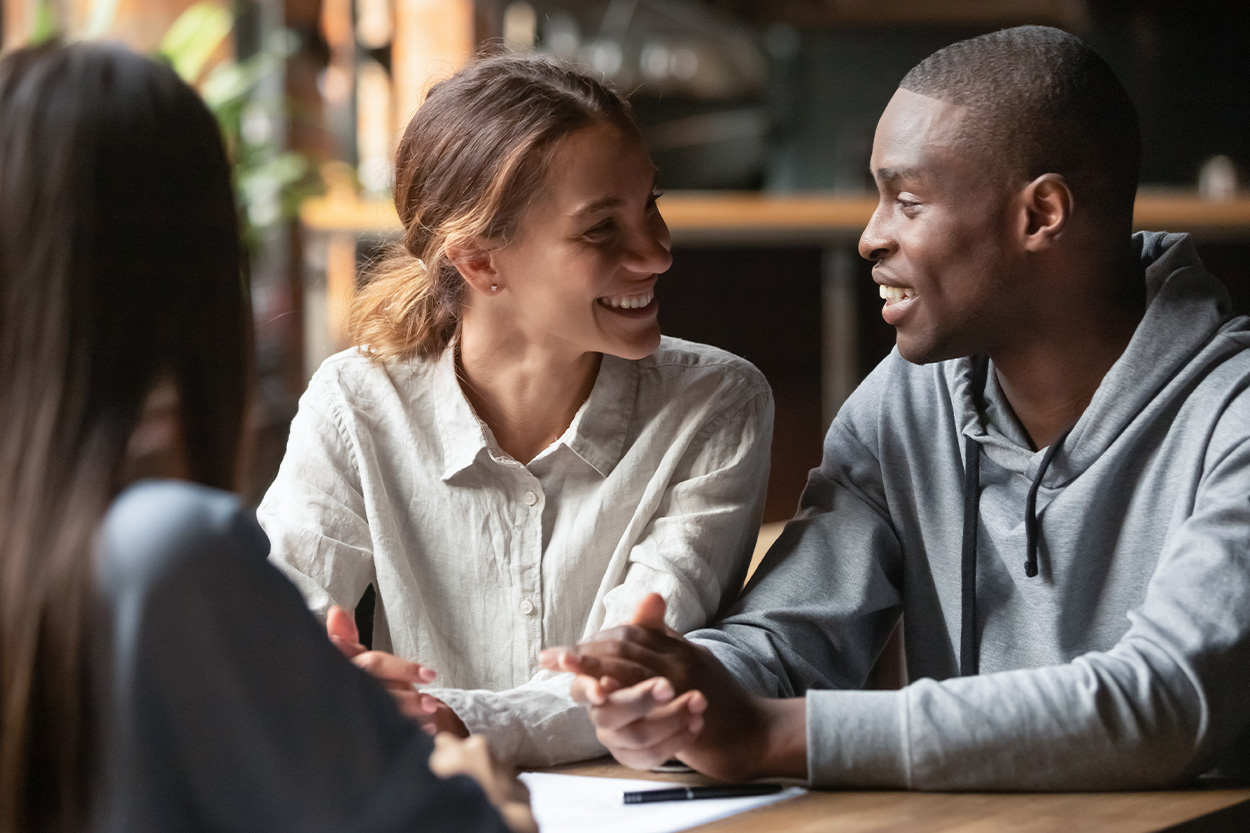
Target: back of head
[119, 267]
[472, 158]
[1042, 101]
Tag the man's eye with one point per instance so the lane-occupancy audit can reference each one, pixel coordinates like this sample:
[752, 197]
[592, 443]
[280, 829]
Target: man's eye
[651, 201]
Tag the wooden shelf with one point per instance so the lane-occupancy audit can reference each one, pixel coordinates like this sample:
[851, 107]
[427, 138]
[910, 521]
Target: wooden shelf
[742, 217]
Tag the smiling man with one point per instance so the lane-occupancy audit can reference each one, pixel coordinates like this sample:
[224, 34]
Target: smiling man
[1050, 478]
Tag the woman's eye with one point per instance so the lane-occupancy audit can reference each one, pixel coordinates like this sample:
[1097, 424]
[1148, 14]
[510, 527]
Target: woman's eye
[601, 230]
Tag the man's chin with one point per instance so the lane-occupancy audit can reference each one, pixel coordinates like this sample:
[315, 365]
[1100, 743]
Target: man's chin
[922, 351]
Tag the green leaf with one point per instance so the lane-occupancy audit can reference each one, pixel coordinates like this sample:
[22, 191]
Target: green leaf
[194, 37]
[44, 24]
[231, 82]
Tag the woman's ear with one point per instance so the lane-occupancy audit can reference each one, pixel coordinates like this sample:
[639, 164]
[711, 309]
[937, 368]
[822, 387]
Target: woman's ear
[1048, 204]
[476, 264]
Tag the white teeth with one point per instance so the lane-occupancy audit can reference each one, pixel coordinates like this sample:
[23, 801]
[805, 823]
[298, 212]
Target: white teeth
[894, 294]
[628, 301]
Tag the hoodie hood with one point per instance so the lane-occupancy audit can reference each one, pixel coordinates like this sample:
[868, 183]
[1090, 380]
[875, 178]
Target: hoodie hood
[1186, 307]
[1175, 342]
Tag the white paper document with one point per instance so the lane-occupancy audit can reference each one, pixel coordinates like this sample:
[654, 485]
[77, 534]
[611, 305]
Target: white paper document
[582, 804]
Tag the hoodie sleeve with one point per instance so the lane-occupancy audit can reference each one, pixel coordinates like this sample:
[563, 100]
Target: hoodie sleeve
[817, 616]
[1158, 706]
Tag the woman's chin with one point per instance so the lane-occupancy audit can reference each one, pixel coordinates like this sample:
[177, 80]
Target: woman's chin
[638, 347]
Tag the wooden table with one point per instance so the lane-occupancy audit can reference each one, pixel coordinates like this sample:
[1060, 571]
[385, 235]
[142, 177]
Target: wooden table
[1184, 811]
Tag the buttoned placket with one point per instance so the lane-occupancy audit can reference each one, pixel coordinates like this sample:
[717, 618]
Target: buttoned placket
[527, 568]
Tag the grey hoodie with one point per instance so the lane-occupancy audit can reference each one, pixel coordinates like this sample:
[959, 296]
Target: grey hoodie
[1123, 662]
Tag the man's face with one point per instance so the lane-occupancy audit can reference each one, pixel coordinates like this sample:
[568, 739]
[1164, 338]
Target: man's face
[941, 238]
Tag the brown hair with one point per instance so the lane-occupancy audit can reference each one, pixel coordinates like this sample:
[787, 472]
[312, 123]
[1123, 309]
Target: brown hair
[120, 266]
[472, 157]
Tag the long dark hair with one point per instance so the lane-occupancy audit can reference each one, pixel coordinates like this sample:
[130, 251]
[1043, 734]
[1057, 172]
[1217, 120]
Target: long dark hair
[120, 267]
[470, 160]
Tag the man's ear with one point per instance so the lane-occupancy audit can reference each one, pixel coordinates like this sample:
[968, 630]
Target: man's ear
[476, 265]
[1048, 203]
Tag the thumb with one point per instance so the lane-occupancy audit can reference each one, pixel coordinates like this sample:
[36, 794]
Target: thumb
[650, 613]
[340, 624]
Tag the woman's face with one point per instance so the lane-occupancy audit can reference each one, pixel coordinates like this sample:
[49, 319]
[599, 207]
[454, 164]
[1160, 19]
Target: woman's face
[580, 275]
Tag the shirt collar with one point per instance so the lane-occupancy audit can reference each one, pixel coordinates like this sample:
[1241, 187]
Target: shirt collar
[462, 433]
[597, 433]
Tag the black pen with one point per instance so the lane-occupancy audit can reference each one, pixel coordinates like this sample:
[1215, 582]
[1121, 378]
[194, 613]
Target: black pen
[691, 793]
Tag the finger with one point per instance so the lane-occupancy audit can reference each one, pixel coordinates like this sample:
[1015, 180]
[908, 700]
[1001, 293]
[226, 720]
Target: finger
[410, 704]
[341, 624]
[650, 612]
[654, 639]
[562, 658]
[656, 729]
[586, 691]
[389, 667]
[629, 704]
[348, 649]
[624, 672]
[518, 817]
[662, 751]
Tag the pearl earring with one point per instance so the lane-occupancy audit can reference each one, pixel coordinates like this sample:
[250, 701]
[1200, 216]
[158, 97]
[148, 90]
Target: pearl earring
[494, 287]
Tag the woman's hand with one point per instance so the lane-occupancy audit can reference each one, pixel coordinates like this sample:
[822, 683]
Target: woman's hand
[400, 677]
[470, 756]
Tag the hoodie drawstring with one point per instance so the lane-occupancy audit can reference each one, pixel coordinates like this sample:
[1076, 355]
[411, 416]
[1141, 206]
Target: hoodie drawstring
[1030, 508]
[969, 649]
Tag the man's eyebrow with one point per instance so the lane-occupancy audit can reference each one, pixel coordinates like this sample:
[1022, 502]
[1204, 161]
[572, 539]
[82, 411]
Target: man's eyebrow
[891, 175]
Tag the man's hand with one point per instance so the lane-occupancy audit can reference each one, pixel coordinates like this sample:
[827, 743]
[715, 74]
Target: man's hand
[471, 757]
[653, 695]
[399, 677]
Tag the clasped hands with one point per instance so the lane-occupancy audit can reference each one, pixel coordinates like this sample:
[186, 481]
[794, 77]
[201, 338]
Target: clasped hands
[652, 696]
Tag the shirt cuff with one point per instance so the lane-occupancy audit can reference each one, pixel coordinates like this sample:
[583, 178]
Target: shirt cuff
[857, 738]
[525, 727]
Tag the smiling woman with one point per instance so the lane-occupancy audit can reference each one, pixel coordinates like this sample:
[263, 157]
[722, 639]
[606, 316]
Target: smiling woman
[512, 455]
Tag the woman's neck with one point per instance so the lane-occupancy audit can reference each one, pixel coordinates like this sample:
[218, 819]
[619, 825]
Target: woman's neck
[527, 395]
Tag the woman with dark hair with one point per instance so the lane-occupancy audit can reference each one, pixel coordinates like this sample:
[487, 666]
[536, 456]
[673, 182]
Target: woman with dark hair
[155, 672]
[513, 456]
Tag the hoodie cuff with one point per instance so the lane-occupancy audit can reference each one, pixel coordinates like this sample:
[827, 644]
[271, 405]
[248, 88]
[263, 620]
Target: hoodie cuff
[857, 738]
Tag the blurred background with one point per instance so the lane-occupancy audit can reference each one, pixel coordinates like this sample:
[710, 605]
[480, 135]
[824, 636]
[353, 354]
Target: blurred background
[759, 113]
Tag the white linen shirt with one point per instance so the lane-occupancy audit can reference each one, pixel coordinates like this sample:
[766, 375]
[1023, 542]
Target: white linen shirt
[480, 562]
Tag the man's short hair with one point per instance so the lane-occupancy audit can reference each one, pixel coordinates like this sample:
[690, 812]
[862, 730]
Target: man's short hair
[1043, 102]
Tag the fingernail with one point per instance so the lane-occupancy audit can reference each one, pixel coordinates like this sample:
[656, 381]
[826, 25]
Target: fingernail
[698, 703]
[663, 690]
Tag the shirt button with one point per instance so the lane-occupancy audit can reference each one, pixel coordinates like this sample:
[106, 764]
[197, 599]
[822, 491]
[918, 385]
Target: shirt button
[527, 607]
[530, 500]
